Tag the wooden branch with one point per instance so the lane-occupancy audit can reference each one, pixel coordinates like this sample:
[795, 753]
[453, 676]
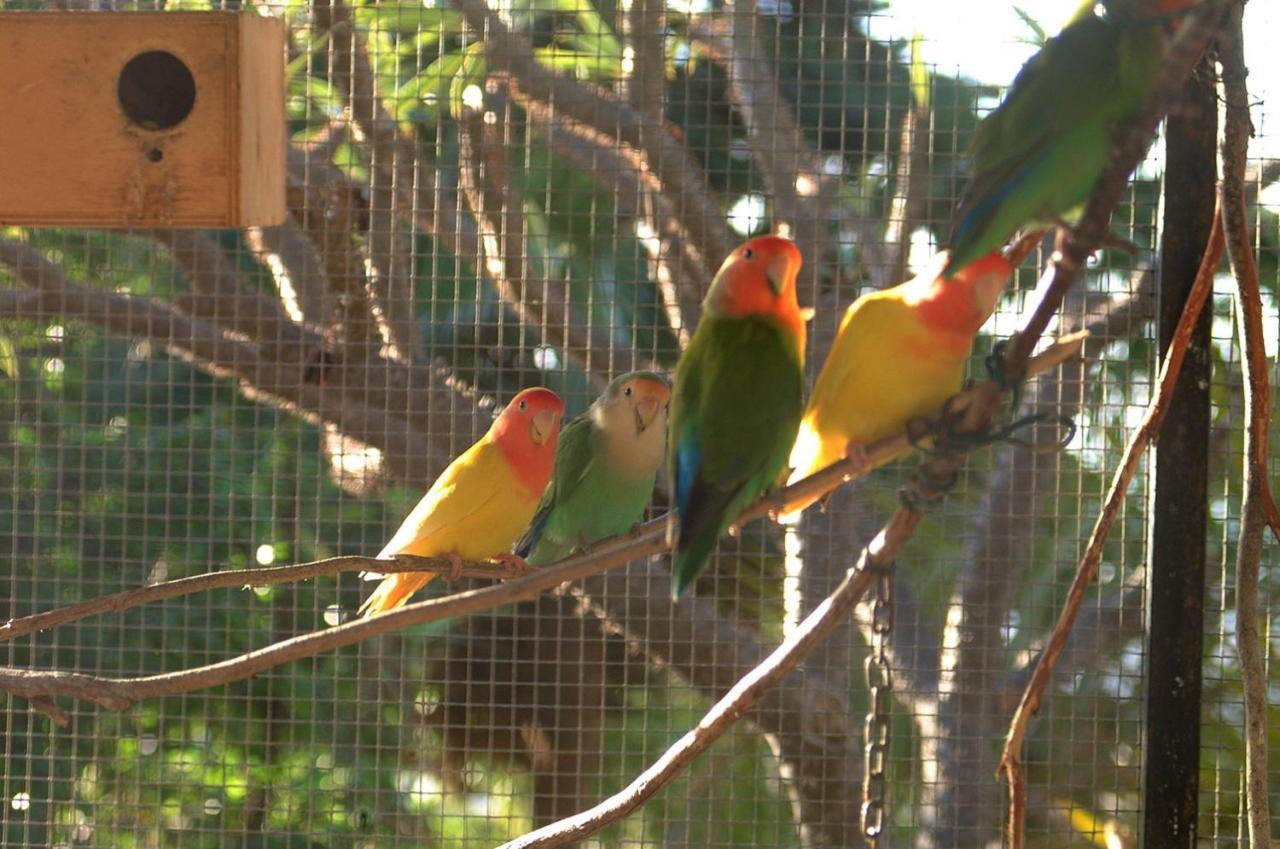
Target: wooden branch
[1129, 145]
[297, 270]
[729, 709]
[1256, 498]
[331, 209]
[670, 160]
[220, 294]
[52, 294]
[649, 539]
[245, 578]
[118, 693]
[809, 719]
[1011, 758]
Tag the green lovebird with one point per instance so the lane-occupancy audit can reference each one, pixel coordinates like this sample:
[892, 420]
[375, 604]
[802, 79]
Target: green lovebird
[1036, 158]
[738, 397]
[606, 463]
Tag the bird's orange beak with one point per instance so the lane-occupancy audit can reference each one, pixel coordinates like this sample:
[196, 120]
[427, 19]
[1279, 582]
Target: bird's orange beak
[647, 409]
[781, 268]
[544, 424]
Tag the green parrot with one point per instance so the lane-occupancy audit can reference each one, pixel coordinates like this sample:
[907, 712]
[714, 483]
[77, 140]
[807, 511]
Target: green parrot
[738, 397]
[606, 463]
[1037, 157]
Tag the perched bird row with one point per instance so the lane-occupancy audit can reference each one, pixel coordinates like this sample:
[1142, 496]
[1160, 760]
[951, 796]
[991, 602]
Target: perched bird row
[737, 406]
[738, 420]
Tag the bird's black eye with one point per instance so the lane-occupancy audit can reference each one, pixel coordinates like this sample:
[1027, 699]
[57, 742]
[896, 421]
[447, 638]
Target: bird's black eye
[524, 405]
[748, 253]
[627, 392]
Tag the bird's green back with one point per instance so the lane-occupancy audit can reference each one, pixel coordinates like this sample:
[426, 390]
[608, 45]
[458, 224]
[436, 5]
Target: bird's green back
[735, 409]
[1036, 158]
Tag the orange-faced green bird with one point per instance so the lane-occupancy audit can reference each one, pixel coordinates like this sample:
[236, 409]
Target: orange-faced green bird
[482, 501]
[1036, 158]
[899, 354]
[606, 464]
[738, 395]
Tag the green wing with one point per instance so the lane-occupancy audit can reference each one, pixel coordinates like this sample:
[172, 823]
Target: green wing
[1037, 156]
[574, 457]
[738, 398]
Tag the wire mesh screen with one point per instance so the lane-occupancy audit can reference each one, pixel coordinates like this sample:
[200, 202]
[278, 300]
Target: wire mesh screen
[483, 198]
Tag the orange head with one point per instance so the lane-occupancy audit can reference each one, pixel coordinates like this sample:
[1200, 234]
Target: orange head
[526, 432]
[961, 303]
[759, 278]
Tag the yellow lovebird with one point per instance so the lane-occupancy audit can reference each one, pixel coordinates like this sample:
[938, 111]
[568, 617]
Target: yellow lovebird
[899, 354]
[477, 508]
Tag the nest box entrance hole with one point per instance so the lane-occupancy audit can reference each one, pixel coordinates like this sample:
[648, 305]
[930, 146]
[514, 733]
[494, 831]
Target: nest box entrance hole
[157, 92]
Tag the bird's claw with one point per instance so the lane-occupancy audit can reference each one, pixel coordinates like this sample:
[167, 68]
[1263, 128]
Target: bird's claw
[455, 567]
[856, 453]
[517, 565]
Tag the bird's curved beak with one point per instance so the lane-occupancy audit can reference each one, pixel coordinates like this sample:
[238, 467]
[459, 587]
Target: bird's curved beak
[778, 271]
[647, 410]
[544, 424]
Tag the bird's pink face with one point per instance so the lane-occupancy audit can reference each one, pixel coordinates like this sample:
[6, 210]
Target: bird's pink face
[759, 278]
[533, 416]
[649, 397]
[526, 433]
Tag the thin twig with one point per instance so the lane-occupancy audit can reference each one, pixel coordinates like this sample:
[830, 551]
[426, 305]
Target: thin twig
[1011, 758]
[1256, 497]
[1130, 143]
[650, 538]
[730, 708]
[246, 578]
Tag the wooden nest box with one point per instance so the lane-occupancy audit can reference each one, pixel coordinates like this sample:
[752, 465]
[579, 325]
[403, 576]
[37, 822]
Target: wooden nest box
[141, 119]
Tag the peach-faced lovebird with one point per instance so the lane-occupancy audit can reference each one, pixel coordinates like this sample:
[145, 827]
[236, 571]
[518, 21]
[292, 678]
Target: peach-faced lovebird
[606, 464]
[900, 354]
[1037, 157]
[482, 501]
[739, 392]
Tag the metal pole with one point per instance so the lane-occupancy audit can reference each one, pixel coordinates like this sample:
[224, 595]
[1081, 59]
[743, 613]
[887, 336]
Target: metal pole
[1179, 484]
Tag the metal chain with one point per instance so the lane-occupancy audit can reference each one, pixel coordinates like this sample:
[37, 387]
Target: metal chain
[879, 676]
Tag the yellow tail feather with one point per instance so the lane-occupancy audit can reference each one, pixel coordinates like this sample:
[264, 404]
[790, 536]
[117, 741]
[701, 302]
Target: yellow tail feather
[809, 454]
[393, 592]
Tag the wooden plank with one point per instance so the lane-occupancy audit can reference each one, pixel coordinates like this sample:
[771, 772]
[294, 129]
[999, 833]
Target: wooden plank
[263, 142]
